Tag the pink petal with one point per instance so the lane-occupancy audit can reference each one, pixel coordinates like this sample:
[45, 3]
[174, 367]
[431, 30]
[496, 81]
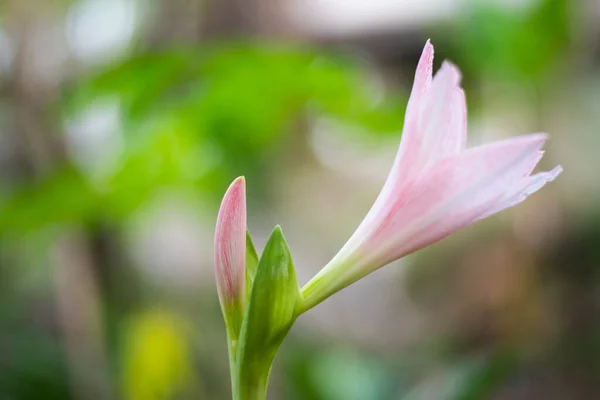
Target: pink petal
[523, 189]
[441, 117]
[454, 193]
[230, 243]
[435, 125]
[422, 82]
[458, 125]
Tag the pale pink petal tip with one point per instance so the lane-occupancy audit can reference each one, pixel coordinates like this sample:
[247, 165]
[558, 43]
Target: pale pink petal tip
[534, 183]
[424, 69]
[532, 141]
[537, 181]
[448, 67]
[428, 47]
[428, 52]
[556, 171]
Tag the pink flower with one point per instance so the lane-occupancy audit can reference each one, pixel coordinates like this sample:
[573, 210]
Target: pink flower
[230, 253]
[436, 186]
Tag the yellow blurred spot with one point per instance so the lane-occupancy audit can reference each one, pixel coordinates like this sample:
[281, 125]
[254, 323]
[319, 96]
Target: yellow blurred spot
[157, 363]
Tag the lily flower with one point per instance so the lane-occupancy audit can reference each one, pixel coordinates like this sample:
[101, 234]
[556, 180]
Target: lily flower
[436, 185]
[230, 255]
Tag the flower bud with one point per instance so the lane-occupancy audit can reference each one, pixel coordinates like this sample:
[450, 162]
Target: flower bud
[230, 255]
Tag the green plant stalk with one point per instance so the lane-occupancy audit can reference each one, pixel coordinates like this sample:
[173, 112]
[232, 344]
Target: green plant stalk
[251, 381]
[252, 385]
[231, 350]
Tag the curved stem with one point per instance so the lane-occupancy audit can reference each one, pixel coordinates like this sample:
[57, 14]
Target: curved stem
[317, 290]
[335, 276]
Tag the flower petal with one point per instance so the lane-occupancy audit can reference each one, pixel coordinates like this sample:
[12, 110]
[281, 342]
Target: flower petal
[435, 128]
[526, 187]
[458, 125]
[441, 119]
[454, 193]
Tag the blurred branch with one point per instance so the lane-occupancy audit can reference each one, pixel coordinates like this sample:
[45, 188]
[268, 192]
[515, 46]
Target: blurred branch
[43, 152]
[79, 308]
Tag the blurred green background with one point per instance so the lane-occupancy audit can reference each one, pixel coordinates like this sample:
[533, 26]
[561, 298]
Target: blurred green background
[122, 122]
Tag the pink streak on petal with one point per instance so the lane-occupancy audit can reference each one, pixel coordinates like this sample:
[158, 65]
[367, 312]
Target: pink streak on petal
[230, 243]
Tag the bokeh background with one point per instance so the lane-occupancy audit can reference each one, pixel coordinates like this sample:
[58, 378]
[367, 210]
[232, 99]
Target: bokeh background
[122, 122]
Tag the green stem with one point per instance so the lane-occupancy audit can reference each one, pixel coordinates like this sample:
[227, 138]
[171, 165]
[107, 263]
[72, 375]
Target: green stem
[252, 378]
[252, 385]
[316, 291]
[330, 280]
[231, 349]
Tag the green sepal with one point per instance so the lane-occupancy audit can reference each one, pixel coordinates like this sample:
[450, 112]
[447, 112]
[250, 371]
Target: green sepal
[270, 313]
[251, 264]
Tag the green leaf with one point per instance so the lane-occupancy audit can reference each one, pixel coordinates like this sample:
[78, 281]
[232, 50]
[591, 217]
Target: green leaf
[251, 264]
[270, 313]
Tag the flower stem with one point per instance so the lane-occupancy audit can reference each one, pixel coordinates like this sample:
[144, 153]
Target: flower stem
[330, 280]
[251, 384]
[231, 349]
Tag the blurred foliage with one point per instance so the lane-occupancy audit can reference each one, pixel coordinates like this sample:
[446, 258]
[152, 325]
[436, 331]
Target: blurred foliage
[486, 376]
[337, 373]
[196, 118]
[520, 43]
[31, 364]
